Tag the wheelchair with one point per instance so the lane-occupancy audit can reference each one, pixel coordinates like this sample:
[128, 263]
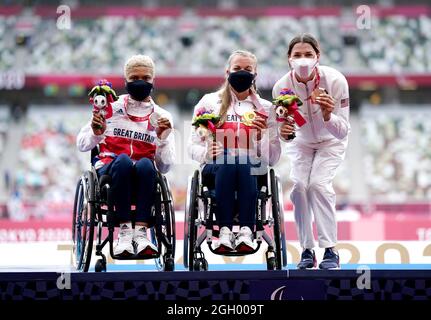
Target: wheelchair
[201, 225]
[94, 209]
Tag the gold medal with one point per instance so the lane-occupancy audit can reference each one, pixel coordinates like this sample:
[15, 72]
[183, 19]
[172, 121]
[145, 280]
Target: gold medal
[248, 118]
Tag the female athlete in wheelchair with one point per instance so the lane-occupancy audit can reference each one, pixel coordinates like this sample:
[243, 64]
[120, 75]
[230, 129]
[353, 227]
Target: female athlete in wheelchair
[132, 146]
[235, 183]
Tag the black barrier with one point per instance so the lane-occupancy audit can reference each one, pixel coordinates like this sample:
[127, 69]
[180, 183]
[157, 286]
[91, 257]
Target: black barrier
[219, 285]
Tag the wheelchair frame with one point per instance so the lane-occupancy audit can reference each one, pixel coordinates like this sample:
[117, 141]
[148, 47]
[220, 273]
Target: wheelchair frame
[199, 197]
[93, 208]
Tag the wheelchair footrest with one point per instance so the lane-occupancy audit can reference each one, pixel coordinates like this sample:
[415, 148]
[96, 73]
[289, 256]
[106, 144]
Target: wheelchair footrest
[234, 253]
[136, 257]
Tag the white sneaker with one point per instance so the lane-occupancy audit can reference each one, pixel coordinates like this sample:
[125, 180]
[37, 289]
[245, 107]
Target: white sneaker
[225, 241]
[244, 241]
[144, 247]
[124, 245]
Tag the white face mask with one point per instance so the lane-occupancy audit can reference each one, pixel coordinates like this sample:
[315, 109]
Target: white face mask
[303, 66]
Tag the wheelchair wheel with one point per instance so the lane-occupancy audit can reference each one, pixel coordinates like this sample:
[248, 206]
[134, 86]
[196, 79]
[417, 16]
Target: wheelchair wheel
[282, 226]
[172, 224]
[278, 220]
[165, 261]
[83, 222]
[190, 215]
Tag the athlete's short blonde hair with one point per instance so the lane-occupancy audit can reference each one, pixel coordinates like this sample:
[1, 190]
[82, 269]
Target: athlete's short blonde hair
[139, 60]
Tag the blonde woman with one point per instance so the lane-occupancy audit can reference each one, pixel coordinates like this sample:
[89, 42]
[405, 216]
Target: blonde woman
[131, 149]
[239, 147]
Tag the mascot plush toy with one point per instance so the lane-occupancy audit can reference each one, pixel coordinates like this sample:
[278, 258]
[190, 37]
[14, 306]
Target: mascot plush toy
[286, 108]
[101, 97]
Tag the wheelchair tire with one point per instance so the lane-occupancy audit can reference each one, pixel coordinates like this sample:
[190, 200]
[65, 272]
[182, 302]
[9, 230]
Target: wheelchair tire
[190, 215]
[83, 222]
[282, 225]
[276, 214]
[173, 235]
[168, 228]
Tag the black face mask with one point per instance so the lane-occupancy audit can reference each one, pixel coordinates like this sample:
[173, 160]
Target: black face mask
[241, 80]
[139, 89]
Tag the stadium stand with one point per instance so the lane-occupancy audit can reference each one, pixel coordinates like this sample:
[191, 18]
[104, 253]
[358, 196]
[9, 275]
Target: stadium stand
[397, 156]
[48, 165]
[393, 43]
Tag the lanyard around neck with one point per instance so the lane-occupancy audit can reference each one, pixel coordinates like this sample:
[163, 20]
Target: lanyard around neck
[316, 82]
[136, 118]
[256, 104]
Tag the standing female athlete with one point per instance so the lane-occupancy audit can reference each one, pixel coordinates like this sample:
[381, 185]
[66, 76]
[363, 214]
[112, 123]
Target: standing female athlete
[318, 148]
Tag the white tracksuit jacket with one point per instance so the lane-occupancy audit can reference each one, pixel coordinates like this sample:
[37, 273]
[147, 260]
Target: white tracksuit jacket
[315, 154]
[267, 150]
[131, 134]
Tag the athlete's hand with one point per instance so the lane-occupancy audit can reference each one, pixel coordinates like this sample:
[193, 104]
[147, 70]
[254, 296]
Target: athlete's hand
[260, 125]
[214, 149]
[98, 123]
[327, 105]
[163, 126]
[287, 129]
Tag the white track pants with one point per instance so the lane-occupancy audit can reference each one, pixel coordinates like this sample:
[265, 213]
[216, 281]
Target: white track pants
[312, 173]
